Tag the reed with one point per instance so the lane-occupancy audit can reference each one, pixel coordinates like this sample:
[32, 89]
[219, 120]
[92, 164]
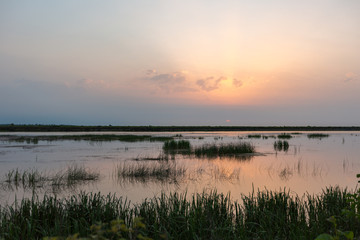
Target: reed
[281, 146]
[177, 146]
[254, 136]
[36, 180]
[317, 135]
[159, 171]
[211, 215]
[284, 136]
[222, 150]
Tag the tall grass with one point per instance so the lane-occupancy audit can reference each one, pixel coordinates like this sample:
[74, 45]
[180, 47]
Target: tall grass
[34, 179]
[232, 149]
[281, 145]
[177, 146]
[284, 136]
[254, 136]
[159, 171]
[317, 135]
[261, 215]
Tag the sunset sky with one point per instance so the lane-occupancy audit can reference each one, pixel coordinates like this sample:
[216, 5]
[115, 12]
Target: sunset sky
[161, 62]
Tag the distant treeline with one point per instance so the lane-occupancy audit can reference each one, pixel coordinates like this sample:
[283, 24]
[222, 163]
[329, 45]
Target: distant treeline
[76, 128]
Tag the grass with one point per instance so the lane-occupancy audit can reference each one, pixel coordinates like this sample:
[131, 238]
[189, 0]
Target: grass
[26, 179]
[284, 136]
[260, 215]
[317, 135]
[34, 179]
[222, 150]
[281, 146]
[86, 137]
[176, 146]
[254, 136]
[160, 157]
[158, 171]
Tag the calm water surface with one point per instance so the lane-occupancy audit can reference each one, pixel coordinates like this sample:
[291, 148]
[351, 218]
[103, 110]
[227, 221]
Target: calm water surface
[309, 165]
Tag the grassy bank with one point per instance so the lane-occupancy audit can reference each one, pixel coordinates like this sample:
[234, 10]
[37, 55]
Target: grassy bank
[262, 215]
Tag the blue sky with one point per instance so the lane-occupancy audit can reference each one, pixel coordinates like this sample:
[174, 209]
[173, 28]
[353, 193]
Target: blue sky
[273, 62]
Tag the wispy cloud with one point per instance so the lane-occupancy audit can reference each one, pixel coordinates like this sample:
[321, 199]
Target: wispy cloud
[237, 83]
[210, 83]
[168, 82]
[350, 76]
[150, 71]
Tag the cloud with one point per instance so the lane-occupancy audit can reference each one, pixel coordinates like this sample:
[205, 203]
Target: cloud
[350, 76]
[173, 78]
[150, 71]
[237, 83]
[210, 83]
[169, 82]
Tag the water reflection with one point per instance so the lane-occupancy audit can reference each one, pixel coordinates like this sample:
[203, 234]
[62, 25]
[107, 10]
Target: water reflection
[144, 168]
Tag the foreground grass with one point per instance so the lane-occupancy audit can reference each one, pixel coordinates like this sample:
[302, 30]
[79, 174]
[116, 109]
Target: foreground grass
[262, 215]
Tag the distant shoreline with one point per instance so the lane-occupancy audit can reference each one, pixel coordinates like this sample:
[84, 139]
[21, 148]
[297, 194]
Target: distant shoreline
[110, 128]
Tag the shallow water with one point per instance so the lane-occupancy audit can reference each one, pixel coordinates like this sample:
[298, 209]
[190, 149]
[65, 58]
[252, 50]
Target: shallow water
[309, 165]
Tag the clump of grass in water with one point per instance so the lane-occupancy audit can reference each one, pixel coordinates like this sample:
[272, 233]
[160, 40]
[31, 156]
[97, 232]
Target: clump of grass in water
[173, 145]
[317, 135]
[26, 179]
[80, 173]
[149, 171]
[281, 145]
[254, 136]
[284, 136]
[232, 149]
[34, 179]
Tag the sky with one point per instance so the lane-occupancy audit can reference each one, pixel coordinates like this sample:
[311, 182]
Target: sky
[161, 62]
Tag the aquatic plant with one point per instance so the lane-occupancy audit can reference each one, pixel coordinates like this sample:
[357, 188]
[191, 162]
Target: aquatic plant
[207, 215]
[145, 171]
[317, 135]
[222, 150]
[281, 145]
[33, 179]
[284, 136]
[176, 146]
[254, 136]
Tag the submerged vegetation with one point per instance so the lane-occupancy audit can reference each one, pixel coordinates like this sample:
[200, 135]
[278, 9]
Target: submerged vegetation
[261, 215]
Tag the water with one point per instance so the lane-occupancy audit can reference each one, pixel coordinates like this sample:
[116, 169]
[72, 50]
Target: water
[308, 166]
